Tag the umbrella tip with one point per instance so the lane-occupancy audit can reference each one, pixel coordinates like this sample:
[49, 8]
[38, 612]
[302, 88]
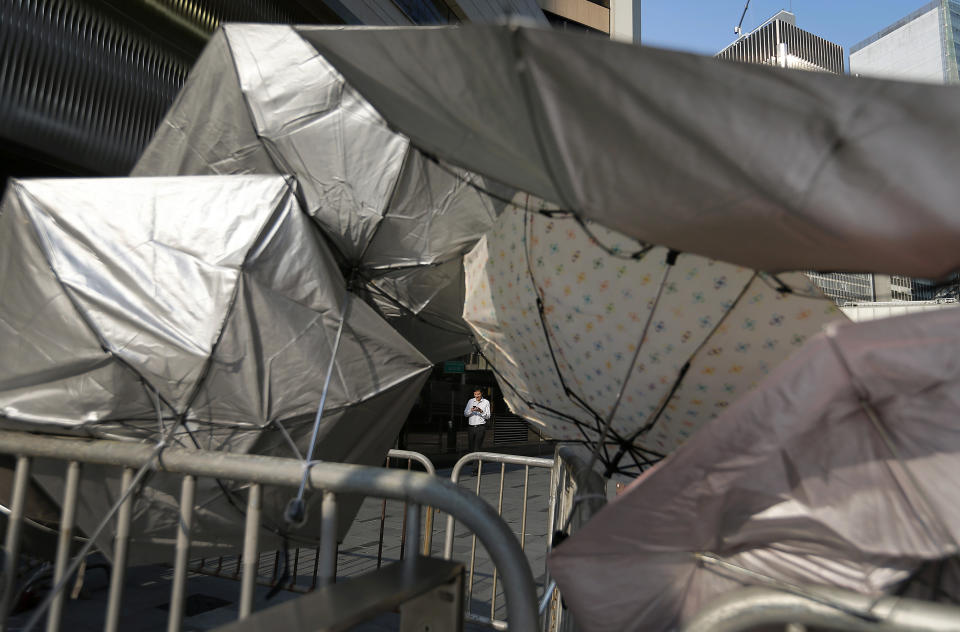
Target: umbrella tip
[296, 512]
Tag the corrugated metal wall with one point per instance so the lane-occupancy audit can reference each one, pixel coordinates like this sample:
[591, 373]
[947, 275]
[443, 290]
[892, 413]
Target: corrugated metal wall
[84, 83]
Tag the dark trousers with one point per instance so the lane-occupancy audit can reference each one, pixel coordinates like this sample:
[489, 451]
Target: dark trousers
[475, 437]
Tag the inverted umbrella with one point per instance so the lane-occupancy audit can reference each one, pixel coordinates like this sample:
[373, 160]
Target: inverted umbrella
[838, 470]
[770, 168]
[205, 307]
[260, 100]
[621, 346]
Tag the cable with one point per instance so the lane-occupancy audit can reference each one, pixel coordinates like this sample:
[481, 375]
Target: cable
[613, 252]
[783, 288]
[296, 512]
[671, 260]
[147, 466]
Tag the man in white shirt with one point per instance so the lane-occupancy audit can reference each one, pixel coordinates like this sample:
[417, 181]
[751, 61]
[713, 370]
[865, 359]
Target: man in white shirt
[477, 413]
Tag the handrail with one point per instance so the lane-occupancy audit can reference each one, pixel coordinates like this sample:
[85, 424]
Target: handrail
[480, 456]
[748, 608]
[337, 478]
[413, 456]
[428, 524]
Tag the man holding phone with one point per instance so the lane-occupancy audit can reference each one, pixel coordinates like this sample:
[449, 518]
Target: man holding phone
[477, 413]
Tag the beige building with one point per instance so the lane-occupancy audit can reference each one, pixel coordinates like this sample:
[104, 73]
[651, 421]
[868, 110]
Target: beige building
[619, 19]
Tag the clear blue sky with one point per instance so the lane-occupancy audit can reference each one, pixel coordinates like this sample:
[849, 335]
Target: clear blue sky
[706, 26]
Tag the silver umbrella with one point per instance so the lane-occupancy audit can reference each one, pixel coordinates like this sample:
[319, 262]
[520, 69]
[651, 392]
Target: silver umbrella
[260, 100]
[205, 309]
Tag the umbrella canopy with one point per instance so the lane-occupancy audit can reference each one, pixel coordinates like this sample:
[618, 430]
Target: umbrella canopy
[838, 470]
[586, 328]
[211, 303]
[260, 100]
[769, 168]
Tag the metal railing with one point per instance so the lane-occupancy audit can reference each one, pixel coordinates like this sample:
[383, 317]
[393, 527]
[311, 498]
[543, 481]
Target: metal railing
[332, 479]
[229, 566]
[427, 464]
[503, 459]
[827, 608]
[580, 493]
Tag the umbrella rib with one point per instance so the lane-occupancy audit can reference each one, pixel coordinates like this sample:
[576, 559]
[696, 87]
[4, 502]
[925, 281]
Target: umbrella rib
[783, 288]
[532, 404]
[671, 260]
[871, 413]
[281, 206]
[368, 283]
[528, 223]
[613, 252]
[686, 367]
[386, 209]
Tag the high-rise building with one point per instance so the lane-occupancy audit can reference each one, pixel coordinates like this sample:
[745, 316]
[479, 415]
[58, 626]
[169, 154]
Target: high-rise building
[780, 42]
[922, 46]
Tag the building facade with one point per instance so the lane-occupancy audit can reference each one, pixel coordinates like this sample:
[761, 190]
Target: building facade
[923, 46]
[780, 42]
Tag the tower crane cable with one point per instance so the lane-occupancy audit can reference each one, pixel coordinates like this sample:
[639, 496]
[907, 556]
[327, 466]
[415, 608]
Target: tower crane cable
[739, 28]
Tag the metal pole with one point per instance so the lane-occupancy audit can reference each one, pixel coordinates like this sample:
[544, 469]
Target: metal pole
[523, 515]
[316, 565]
[328, 538]
[12, 543]
[403, 526]
[251, 555]
[120, 545]
[67, 518]
[296, 568]
[383, 520]
[428, 532]
[187, 490]
[502, 458]
[493, 590]
[412, 456]
[413, 536]
[428, 523]
[473, 540]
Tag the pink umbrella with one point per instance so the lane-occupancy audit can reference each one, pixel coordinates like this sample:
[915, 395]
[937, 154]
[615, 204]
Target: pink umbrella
[837, 470]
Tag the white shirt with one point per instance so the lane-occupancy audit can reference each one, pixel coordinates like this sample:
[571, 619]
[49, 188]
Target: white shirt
[474, 418]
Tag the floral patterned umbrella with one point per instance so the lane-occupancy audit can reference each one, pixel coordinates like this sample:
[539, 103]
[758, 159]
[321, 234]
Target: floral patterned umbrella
[622, 346]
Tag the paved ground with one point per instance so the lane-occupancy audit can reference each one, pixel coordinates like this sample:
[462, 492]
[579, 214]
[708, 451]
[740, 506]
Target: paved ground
[212, 601]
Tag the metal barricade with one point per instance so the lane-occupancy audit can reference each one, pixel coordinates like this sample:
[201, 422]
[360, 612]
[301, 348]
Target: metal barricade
[331, 479]
[503, 459]
[580, 493]
[229, 566]
[427, 464]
